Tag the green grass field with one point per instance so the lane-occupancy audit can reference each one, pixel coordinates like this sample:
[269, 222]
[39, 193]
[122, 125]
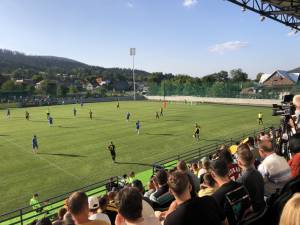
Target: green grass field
[73, 152]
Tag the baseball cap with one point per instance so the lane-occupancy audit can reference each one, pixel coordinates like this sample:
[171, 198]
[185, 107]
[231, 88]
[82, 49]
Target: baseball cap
[93, 202]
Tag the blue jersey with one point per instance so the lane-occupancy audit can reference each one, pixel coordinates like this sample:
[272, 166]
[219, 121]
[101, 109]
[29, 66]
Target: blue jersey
[34, 142]
[137, 125]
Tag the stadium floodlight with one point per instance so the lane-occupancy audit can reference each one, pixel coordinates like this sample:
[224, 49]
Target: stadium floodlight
[262, 18]
[132, 53]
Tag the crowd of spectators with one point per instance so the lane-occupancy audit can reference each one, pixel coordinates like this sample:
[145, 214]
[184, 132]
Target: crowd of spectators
[225, 188]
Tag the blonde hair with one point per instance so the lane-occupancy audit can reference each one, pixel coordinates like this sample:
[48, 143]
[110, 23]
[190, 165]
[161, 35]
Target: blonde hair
[296, 100]
[291, 211]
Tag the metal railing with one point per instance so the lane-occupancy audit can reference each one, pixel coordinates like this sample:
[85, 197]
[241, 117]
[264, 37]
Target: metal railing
[26, 214]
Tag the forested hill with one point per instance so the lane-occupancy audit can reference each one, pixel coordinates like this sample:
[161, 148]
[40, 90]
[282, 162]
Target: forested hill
[18, 64]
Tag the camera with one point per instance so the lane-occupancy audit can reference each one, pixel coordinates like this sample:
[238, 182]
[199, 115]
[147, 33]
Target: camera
[286, 108]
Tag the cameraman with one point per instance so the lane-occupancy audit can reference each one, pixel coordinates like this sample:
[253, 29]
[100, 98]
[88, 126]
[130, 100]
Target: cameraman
[294, 162]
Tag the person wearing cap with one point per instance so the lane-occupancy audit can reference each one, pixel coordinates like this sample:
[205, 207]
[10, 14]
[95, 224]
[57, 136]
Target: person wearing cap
[94, 210]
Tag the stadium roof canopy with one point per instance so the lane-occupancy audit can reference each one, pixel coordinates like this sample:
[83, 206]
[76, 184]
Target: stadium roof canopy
[286, 12]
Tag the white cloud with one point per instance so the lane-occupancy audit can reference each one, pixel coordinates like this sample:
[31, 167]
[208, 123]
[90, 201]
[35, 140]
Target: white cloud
[189, 3]
[129, 4]
[228, 46]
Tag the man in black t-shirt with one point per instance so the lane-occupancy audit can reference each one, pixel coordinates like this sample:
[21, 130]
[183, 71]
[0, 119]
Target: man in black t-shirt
[192, 211]
[231, 196]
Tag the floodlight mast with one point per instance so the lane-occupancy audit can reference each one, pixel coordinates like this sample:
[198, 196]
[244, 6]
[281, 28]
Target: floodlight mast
[132, 53]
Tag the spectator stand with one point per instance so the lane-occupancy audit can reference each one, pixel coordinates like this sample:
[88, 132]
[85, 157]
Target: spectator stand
[26, 215]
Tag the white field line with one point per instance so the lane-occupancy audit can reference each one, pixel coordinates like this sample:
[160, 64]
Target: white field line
[46, 160]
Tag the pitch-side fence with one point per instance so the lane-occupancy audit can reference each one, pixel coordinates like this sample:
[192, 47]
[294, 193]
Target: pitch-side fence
[26, 215]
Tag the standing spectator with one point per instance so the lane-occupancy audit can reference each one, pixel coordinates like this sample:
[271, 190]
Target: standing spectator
[291, 213]
[274, 168]
[181, 166]
[208, 187]
[35, 203]
[294, 162]
[250, 177]
[231, 196]
[94, 207]
[79, 209]
[192, 211]
[130, 208]
[234, 169]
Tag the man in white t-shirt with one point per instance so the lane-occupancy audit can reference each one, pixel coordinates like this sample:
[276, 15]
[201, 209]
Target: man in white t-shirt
[274, 168]
[94, 208]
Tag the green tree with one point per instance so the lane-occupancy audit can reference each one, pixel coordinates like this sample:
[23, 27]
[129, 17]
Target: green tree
[238, 75]
[8, 85]
[258, 76]
[61, 91]
[72, 90]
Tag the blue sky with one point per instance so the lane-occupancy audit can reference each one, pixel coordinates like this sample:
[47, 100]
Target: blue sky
[195, 37]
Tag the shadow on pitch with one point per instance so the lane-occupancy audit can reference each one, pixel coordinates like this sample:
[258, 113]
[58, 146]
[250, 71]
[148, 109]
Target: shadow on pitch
[63, 155]
[133, 163]
[161, 134]
[4, 135]
[214, 140]
[66, 127]
[173, 120]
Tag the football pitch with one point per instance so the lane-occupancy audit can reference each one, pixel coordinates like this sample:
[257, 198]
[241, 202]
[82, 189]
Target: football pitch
[73, 152]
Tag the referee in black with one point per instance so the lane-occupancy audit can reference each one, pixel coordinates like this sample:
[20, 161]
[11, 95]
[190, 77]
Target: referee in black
[112, 149]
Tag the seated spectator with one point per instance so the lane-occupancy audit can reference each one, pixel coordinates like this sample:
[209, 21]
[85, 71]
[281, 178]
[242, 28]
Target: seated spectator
[110, 210]
[94, 207]
[274, 168]
[191, 210]
[208, 187]
[161, 196]
[130, 177]
[79, 209]
[44, 221]
[130, 207]
[147, 204]
[204, 169]
[231, 196]
[111, 185]
[291, 213]
[150, 188]
[181, 166]
[294, 162]
[234, 169]
[250, 177]
[68, 219]
[195, 169]
[60, 219]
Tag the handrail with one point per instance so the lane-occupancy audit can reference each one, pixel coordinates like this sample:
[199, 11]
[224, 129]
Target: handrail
[188, 155]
